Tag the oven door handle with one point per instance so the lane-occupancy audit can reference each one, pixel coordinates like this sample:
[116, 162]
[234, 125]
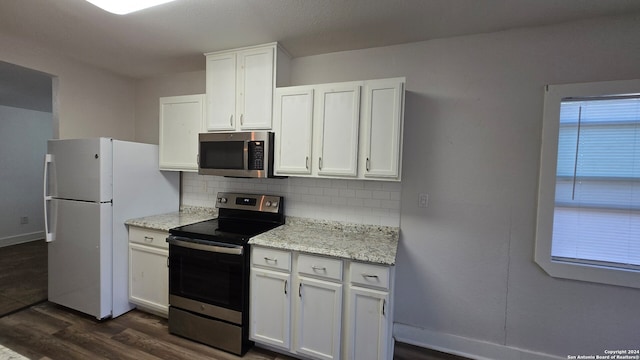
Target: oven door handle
[211, 246]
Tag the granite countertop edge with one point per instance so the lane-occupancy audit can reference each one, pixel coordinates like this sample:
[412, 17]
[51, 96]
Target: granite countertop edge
[163, 222]
[367, 243]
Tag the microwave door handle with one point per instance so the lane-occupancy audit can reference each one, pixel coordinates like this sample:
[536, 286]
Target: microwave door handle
[245, 156]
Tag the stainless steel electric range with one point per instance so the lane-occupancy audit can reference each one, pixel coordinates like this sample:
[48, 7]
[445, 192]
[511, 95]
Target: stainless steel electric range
[209, 270]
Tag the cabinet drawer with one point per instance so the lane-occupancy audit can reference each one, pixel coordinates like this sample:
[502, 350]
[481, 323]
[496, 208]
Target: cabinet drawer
[149, 237]
[320, 266]
[271, 258]
[369, 275]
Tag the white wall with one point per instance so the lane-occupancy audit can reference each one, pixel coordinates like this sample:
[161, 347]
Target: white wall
[88, 102]
[23, 143]
[466, 278]
[148, 93]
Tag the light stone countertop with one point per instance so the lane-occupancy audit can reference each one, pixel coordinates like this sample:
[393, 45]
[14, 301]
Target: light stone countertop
[368, 243]
[187, 215]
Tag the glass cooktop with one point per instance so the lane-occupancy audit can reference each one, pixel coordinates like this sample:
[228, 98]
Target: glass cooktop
[224, 231]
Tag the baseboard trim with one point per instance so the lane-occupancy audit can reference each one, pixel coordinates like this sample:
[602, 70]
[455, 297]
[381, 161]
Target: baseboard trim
[462, 346]
[22, 238]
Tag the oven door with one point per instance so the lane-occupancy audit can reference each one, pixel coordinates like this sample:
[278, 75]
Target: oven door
[207, 273]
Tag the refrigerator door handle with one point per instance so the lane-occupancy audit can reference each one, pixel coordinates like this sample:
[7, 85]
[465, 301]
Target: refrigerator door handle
[49, 236]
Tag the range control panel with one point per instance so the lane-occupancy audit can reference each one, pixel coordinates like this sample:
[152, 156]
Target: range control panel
[253, 202]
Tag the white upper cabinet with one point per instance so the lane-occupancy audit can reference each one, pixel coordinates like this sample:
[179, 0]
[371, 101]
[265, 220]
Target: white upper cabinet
[181, 119]
[382, 129]
[221, 92]
[294, 126]
[255, 88]
[240, 84]
[338, 121]
[350, 130]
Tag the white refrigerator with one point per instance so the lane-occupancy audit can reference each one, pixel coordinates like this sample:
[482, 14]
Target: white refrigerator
[91, 187]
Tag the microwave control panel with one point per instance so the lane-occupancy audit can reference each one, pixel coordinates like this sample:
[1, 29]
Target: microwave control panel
[256, 155]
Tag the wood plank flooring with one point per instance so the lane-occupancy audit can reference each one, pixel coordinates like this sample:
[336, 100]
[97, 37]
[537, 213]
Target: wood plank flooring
[23, 275]
[48, 331]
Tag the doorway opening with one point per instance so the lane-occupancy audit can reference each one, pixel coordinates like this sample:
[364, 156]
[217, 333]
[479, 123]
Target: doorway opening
[26, 123]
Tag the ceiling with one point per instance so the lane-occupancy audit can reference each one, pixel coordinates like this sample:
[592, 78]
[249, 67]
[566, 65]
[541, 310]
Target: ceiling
[172, 37]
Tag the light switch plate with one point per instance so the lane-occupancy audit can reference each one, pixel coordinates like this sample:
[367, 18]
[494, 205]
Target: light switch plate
[423, 200]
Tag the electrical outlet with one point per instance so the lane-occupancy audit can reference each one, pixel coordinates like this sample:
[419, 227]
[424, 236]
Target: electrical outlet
[24, 220]
[423, 200]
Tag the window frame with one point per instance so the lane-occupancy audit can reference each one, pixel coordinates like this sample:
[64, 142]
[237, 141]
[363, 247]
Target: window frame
[547, 185]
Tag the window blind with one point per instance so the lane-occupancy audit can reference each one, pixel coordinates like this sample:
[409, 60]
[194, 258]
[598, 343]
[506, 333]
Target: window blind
[597, 201]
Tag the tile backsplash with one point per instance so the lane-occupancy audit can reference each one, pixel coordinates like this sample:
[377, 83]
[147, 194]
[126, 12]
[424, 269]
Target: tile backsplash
[355, 201]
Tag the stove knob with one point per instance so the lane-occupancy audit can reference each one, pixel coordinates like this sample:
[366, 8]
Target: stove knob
[274, 204]
[267, 204]
[222, 200]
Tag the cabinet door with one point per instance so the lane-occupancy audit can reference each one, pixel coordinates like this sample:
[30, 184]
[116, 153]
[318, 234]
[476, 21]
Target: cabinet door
[255, 88]
[181, 119]
[367, 324]
[294, 125]
[382, 122]
[270, 308]
[339, 115]
[149, 277]
[319, 318]
[221, 91]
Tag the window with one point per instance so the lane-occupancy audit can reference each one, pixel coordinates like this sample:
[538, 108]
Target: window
[589, 191]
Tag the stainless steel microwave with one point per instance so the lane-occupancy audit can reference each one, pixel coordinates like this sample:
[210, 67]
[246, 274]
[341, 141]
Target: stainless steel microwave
[238, 154]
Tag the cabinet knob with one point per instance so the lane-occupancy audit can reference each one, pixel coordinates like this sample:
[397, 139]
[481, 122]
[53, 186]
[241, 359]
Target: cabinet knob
[320, 163]
[306, 162]
[367, 164]
[231, 120]
[241, 119]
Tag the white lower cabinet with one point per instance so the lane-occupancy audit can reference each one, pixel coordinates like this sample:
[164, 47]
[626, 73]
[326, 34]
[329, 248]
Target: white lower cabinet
[370, 321]
[367, 329]
[319, 313]
[270, 311]
[270, 292]
[340, 310]
[148, 271]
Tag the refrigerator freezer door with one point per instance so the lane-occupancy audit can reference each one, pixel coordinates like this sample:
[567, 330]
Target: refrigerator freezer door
[80, 256]
[81, 169]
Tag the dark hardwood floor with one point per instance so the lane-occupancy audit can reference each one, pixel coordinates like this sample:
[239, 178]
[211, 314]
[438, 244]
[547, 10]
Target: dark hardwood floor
[48, 331]
[23, 275]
